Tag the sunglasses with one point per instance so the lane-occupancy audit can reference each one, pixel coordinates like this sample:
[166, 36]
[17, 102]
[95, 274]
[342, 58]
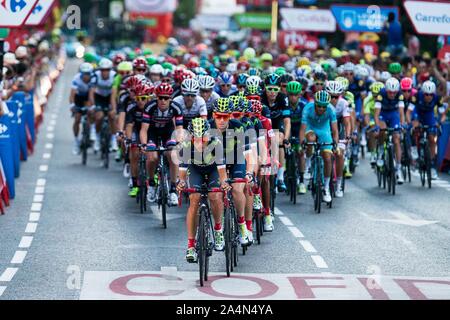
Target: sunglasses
[406, 90]
[163, 98]
[241, 86]
[221, 116]
[189, 95]
[123, 73]
[142, 98]
[319, 83]
[237, 114]
[225, 85]
[320, 106]
[273, 89]
[284, 85]
[205, 91]
[141, 70]
[348, 73]
[428, 94]
[334, 97]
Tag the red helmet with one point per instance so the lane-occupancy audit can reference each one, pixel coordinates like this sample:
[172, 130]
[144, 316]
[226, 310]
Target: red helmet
[243, 66]
[118, 58]
[171, 60]
[164, 89]
[283, 58]
[143, 89]
[406, 84]
[140, 63]
[256, 106]
[192, 64]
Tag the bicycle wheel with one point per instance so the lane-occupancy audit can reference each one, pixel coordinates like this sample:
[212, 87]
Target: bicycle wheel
[163, 196]
[379, 176]
[392, 171]
[142, 197]
[257, 224]
[228, 241]
[273, 193]
[202, 244]
[84, 143]
[427, 159]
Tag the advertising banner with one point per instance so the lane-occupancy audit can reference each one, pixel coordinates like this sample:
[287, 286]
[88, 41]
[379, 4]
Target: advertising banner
[429, 17]
[261, 21]
[318, 20]
[299, 40]
[14, 13]
[151, 6]
[40, 12]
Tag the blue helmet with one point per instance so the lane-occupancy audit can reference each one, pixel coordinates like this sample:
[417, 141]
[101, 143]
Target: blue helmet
[225, 78]
[242, 79]
[272, 80]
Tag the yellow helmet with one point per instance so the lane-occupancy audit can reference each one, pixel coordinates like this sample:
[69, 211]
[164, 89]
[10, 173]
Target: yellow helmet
[336, 53]
[384, 55]
[303, 61]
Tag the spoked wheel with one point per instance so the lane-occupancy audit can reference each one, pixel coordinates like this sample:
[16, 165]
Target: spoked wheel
[202, 247]
[228, 242]
[428, 165]
[392, 171]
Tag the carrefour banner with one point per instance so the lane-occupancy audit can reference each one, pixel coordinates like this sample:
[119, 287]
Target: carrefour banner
[14, 13]
[429, 17]
[39, 12]
[362, 18]
[151, 6]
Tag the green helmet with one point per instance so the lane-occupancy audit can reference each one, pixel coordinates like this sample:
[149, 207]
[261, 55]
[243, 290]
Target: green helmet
[395, 68]
[266, 57]
[131, 55]
[198, 127]
[294, 87]
[147, 52]
[167, 65]
[125, 66]
[237, 102]
[222, 105]
[322, 98]
[280, 71]
[349, 97]
[90, 57]
[151, 60]
[252, 90]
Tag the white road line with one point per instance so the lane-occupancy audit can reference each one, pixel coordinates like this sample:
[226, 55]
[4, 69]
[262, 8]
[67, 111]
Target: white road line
[43, 168]
[2, 289]
[19, 256]
[46, 155]
[307, 246]
[36, 206]
[50, 135]
[49, 146]
[53, 122]
[8, 274]
[35, 216]
[320, 263]
[54, 116]
[25, 242]
[31, 227]
[39, 190]
[38, 198]
[41, 182]
[286, 221]
[295, 232]
[50, 128]
[278, 212]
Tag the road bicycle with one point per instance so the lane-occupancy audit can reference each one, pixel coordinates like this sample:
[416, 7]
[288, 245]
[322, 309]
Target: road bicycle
[142, 182]
[292, 174]
[406, 154]
[386, 171]
[85, 142]
[105, 139]
[424, 160]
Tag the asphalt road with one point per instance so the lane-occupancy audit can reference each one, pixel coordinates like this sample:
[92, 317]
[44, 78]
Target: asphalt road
[73, 233]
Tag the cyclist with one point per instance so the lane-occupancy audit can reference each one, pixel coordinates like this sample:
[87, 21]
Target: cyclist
[201, 164]
[389, 114]
[278, 105]
[79, 99]
[101, 93]
[241, 82]
[294, 90]
[319, 124]
[424, 104]
[207, 92]
[369, 120]
[156, 72]
[161, 118]
[134, 114]
[225, 87]
[340, 105]
[192, 105]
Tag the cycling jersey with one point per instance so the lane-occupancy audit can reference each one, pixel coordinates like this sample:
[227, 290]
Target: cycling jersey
[319, 124]
[124, 100]
[210, 103]
[198, 109]
[386, 104]
[341, 109]
[103, 87]
[279, 110]
[425, 112]
[369, 105]
[82, 88]
[296, 117]
[134, 116]
[158, 119]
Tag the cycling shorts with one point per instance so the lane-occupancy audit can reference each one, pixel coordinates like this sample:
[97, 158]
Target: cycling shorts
[323, 136]
[236, 171]
[164, 136]
[428, 119]
[391, 118]
[102, 103]
[197, 175]
[278, 124]
[80, 101]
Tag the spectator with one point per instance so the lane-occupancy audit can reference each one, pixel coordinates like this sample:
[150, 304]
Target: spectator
[393, 29]
[413, 45]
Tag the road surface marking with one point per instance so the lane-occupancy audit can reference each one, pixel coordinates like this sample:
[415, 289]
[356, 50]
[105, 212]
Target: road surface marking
[31, 227]
[307, 246]
[34, 216]
[320, 263]
[19, 256]
[54, 115]
[36, 206]
[2, 289]
[48, 145]
[41, 182]
[46, 156]
[295, 232]
[43, 168]
[8, 274]
[50, 136]
[278, 212]
[39, 190]
[25, 242]
[38, 198]
[286, 221]
[53, 122]
[50, 128]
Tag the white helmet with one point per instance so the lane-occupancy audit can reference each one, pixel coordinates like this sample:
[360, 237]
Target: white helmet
[334, 87]
[290, 65]
[190, 86]
[86, 67]
[253, 81]
[384, 76]
[156, 69]
[393, 85]
[10, 58]
[332, 63]
[105, 64]
[21, 52]
[206, 82]
[349, 67]
[429, 87]
[317, 69]
[361, 72]
[44, 46]
[340, 69]
[232, 68]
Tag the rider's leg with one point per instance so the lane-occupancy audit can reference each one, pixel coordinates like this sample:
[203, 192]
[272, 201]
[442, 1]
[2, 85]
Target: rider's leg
[216, 201]
[280, 174]
[326, 155]
[76, 124]
[192, 219]
[134, 168]
[152, 162]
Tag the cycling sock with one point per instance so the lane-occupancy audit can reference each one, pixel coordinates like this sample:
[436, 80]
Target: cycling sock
[339, 181]
[249, 225]
[267, 211]
[308, 162]
[134, 182]
[191, 243]
[241, 220]
[280, 175]
[173, 187]
[218, 226]
[327, 183]
[301, 177]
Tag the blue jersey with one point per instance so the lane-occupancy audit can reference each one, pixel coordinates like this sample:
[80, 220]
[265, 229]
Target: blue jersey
[314, 121]
[421, 106]
[386, 104]
[82, 88]
[296, 116]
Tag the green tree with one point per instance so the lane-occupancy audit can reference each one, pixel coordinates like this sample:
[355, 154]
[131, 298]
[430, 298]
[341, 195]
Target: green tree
[185, 12]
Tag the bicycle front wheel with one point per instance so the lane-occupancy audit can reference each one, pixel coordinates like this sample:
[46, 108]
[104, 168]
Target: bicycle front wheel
[228, 242]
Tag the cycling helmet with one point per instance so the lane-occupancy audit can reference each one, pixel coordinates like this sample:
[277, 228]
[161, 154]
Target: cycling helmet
[253, 81]
[266, 57]
[242, 79]
[105, 64]
[118, 58]
[322, 98]
[290, 66]
[222, 105]
[125, 66]
[206, 82]
[286, 78]
[429, 87]
[384, 76]
[232, 68]
[225, 78]
[256, 106]
[361, 72]
[140, 63]
[395, 68]
[21, 52]
[349, 67]
[86, 68]
[90, 57]
[304, 82]
[190, 86]
[332, 63]
[164, 89]
[156, 69]
[304, 61]
[334, 88]
[392, 85]
[254, 72]
[322, 76]
[294, 87]
[272, 80]
[192, 64]
[376, 87]
[300, 73]
[243, 66]
[131, 82]
[237, 103]
[167, 65]
[350, 97]
[198, 127]
[344, 82]
[406, 84]
[151, 60]
[280, 71]
[249, 53]
[143, 89]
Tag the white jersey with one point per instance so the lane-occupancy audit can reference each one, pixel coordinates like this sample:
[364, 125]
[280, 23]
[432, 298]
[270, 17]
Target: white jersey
[342, 108]
[103, 87]
[198, 109]
[213, 98]
[82, 88]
